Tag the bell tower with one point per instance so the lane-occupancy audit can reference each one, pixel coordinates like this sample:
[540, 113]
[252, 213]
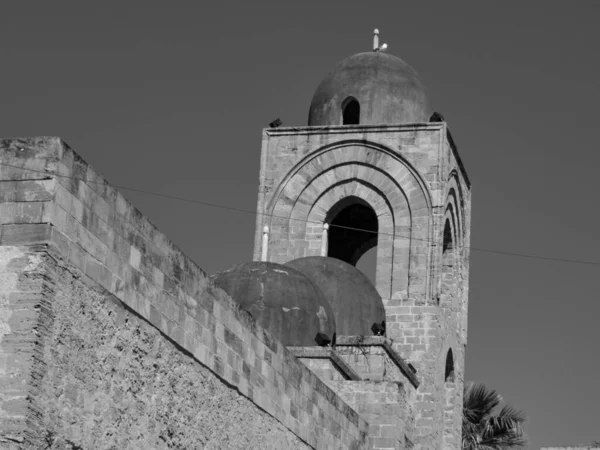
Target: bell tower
[375, 167]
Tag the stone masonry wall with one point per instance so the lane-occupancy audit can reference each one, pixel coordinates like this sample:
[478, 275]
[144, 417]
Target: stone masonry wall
[59, 203]
[386, 406]
[412, 178]
[107, 379]
[23, 294]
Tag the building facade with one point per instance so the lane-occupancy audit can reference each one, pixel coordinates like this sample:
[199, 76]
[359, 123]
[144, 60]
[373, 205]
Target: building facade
[111, 337]
[376, 168]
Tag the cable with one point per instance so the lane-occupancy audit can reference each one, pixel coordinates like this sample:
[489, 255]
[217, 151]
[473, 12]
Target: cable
[247, 211]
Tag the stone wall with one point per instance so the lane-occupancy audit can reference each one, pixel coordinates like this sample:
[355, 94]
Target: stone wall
[127, 277]
[412, 178]
[387, 407]
[105, 378]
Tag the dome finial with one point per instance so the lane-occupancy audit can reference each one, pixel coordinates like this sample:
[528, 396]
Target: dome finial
[375, 39]
[376, 47]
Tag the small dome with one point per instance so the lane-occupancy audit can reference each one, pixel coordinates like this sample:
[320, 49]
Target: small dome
[281, 299]
[355, 302]
[372, 88]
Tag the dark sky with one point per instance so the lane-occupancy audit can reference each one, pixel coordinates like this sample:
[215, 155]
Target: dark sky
[171, 97]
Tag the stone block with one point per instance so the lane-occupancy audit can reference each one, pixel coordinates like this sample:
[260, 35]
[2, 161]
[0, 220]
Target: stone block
[25, 234]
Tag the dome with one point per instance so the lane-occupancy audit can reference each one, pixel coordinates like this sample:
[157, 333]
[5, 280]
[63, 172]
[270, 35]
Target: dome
[355, 302]
[281, 299]
[386, 89]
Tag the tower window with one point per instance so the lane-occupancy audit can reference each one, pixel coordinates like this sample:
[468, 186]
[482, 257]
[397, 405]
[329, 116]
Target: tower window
[449, 372]
[353, 229]
[447, 237]
[351, 111]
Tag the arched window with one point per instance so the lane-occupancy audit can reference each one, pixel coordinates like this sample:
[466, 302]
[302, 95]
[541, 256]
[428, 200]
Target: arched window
[449, 372]
[353, 229]
[351, 111]
[448, 275]
[447, 238]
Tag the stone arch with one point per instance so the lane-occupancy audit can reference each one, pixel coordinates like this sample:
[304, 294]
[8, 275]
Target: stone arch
[353, 229]
[454, 196]
[387, 244]
[448, 281]
[386, 182]
[452, 241]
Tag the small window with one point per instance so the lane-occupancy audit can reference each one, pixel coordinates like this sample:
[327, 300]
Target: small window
[351, 111]
[447, 237]
[449, 372]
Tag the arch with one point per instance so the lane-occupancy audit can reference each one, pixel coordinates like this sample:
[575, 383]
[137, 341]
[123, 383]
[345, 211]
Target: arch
[387, 229]
[353, 229]
[448, 240]
[449, 376]
[448, 281]
[455, 197]
[360, 152]
[350, 111]
[384, 180]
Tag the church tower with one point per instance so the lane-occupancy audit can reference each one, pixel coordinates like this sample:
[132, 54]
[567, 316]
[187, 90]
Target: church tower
[377, 168]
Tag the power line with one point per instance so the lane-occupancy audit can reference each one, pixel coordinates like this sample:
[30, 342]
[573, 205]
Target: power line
[247, 211]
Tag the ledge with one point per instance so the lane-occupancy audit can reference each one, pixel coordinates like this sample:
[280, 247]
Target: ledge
[345, 129]
[325, 353]
[386, 344]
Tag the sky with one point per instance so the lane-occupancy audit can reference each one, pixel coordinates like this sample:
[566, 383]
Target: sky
[171, 97]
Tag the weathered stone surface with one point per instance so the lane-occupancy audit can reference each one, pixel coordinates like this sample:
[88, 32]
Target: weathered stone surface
[114, 250]
[281, 299]
[411, 177]
[113, 381]
[174, 347]
[325, 363]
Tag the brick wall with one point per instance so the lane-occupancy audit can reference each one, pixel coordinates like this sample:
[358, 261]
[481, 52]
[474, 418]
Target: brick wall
[90, 229]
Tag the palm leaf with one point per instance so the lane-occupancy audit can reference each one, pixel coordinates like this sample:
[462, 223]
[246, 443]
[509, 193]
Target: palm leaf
[483, 427]
[479, 402]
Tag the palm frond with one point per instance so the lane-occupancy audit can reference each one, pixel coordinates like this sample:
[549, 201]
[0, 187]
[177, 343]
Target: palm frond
[484, 428]
[479, 402]
[513, 414]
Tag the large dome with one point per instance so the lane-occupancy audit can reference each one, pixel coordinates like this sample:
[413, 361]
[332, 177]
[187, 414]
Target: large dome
[281, 299]
[387, 89]
[355, 302]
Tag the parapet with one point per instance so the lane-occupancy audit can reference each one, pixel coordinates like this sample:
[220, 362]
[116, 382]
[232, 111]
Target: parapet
[374, 358]
[325, 363]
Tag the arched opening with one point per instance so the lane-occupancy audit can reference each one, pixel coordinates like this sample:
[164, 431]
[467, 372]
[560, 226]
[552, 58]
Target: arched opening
[350, 111]
[447, 238]
[353, 227]
[449, 372]
[448, 276]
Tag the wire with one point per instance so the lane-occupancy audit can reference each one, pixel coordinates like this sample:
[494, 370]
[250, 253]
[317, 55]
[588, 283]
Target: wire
[247, 211]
